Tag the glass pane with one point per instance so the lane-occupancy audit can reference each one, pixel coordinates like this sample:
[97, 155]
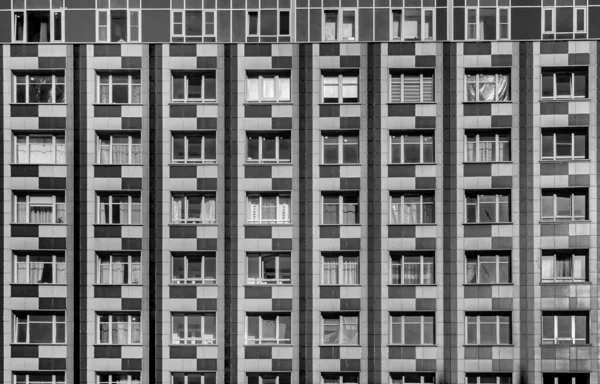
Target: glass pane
[194, 86]
[118, 26]
[193, 23]
[268, 23]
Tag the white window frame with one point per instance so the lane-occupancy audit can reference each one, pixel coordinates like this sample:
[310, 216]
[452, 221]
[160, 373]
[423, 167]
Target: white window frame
[53, 12]
[53, 259]
[186, 98]
[56, 154]
[343, 259]
[561, 340]
[402, 207]
[278, 79]
[341, 318]
[498, 24]
[497, 205]
[56, 378]
[263, 280]
[261, 338]
[571, 95]
[340, 13]
[278, 205]
[424, 378]
[131, 261]
[110, 323]
[186, 139]
[497, 262]
[478, 81]
[424, 77]
[402, 323]
[205, 339]
[585, 21]
[342, 378]
[500, 379]
[130, 205]
[497, 141]
[186, 374]
[130, 152]
[183, 23]
[278, 12]
[340, 203]
[185, 200]
[261, 137]
[129, 11]
[55, 84]
[340, 145]
[572, 194]
[550, 256]
[55, 323]
[130, 86]
[574, 154]
[552, 28]
[262, 376]
[402, 144]
[132, 378]
[399, 261]
[57, 217]
[187, 280]
[423, 28]
[353, 80]
[497, 325]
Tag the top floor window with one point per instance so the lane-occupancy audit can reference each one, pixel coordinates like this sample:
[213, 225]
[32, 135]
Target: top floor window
[340, 25]
[191, 25]
[42, 87]
[413, 24]
[487, 23]
[564, 83]
[38, 26]
[564, 20]
[118, 24]
[268, 22]
[487, 86]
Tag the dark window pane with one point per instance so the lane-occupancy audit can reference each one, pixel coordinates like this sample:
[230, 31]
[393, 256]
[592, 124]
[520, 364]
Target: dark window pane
[547, 84]
[581, 145]
[564, 19]
[253, 148]
[253, 23]
[284, 23]
[488, 18]
[120, 94]
[210, 147]
[581, 84]
[195, 146]
[178, 87]
[210, 87]
[268, 23]
[193, 23]
[38, 26]
[118, 26]
[269, 147]
[178, 147]
[563, 84]
[57, 26]
[547, 145]
[285, 150]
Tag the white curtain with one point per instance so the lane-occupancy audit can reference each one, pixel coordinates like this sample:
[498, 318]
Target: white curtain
[330, 270]
[284, 88]
[350, 270]
[348, 25]
[411, 208]
[136, 94]
[283, 209]
[486, 150]
[41, 150]
[396, 24]
[396, 272]
[253, 209]
[177, 209]
[412, 273]
[503, 88]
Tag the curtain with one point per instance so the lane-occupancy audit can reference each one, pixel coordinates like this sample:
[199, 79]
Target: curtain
[395, 214]
[284, 329]
[103, 212]
[136, 153]
[36, 272]
[41, 150]
[350, 213]
[44, 32]
[61, 272]
[60, 150]
[411, 208]
[472, 271]
[136, 94]
[396, 272]
[283, 209]
[547, 268]
[209, 329]
[471, 87]
[21, 272]
[268, 88]
[104, 150]
[412, 88]
[136, 273]
[119, 271]
[330, 88]
[21, 150]
[253, 209]
[104, 332]
[350, 270]
[136, 213]
[21, 212]
[350, 88]
[104, 270]
[428, 277]
[209, 210]
[252, 91]
[330, 270]
[486, 150]
[269, 208]
[120, 332]
[487, 87]
[396, 89]
[136, 331]
[177, 209]
[412, 273]
[331, 213]
[350, 330]
[40, 214]
[503, 88]
[120, 151]
[563, 267]
[579, 267]
[330, 25]
[104, 93]
[284, 89]
[396, 24]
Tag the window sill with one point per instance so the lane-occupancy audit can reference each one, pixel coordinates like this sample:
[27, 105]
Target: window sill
[488, 102]
[553, 161]
[193, 284]
[566, 345]
[41, 284]
[395, 164]
[339, 285]
[545, 100]
[487, 284]
[37, 164]
[412, 345]
[257, 103]
[487, 162]
[267, 163]
[565, 283]
[212, 102]
[120, 165]
[268, 224]
[116, 285]
[502, 223]
[269, 345]
[413, 103]
[191, 164]
[117, 104]
[412, 285]
[565, 221]
[118, 225]
[340, 345]
[38, 103]
[53, 224]
[413, 225]
[193, 224]
[52, 344]
[327, 104]
[268, 285]
[118, 345]
[487, 345]
[193, 345]
[339, 225]
[341, 165]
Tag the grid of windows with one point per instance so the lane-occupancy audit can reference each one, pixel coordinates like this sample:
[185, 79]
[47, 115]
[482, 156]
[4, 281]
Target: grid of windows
[565, 328]
[340, 269]
[412, 329]
[39, 25]
[38, 208]
[488, 268]
[341, 209]
[118, 268]
[39, 378]
[39, 88]
[39, 267]
[119, 328]
[486, 207]
[564, 266]
[118, 23]
[413, 24]
[269, 268]
[411, 148]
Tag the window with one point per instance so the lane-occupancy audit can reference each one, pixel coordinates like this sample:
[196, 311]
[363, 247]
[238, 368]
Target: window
[191, 25]
[340, 148]
[39, 378]
[119, 329]
[341, 209]
[40, 208]
[340, 329]
[269, 208]
[490, 378]
[39, 88]
[485, 24]
[411, 87]
[580, 20]
[487, 147]
[564, 19]
[38, 26]
[39, 149]
[340, 25]
[564, 328]
[268, 87]
[566, 378]
[340, 88]
[412, 268]
[194, 147]
[118, 25]
[194, 87]
[272, 328]
[564, 83]
[119, 378]
[39, 268]
[194, 208]
[564, 204]
[486, 207]
[119, 149]
[194, 268]
[269, 268]
[269, 147]
[268, 22]
[412, 329]
[119, 88]
[564, 144]
[411, 148]
[564, 266]
[488, 329]
[269, 378]
[341, 269]
[194, 378]
[412, 208]
[413, 24]
[548, 20]
[119, 209]
[488, 268]
[413, 378]
[336, 378]
[119, 269]
[487, 87]
[194, 328]
[39, 327]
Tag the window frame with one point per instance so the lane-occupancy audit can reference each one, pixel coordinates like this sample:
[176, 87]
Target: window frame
[340, 204]
[185, 375]
[497, 23]
[585, 20]
[340, 146]
[204, 74]
[35, 73]
[553, 27]
[260, 377]
[111, 322]
[183, 24]
[340, 13]
[573, 339]
[478, 255]
[424, 378]
[278, 208]
[575, 378]
[480, 72]
[340, 76]
[130, 205]
[562, 192]
[59, 213]
[131, 154]
[279, 78]
[426, 138]
[129, 12]
[402, 207]
[54, 323]
[56, 377]
[54, 262]
[496, 146]
[132, 377]
[187, 280]
[261, 136]
[340, 266]
[398, 260]
[52, 25]
[552, 11]
[262, 339]
[341, 378]
[551, 256]
[261, 280]
[555, 144]
[56, 153]
[422, 26]
[205, 339]
[131, 262]
[424, 75]
[498, 323]
[131, 85]
[424, 316]
[186, 135]
[340, 316]
[185, 201]
[497, 203]
[572, 70]
[258, 12]
[477, 378]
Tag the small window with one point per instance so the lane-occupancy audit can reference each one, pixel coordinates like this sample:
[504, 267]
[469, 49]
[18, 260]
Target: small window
[340, 148]
[192, 25]
[565, 328]
[119, 328]
[269, 268]
[564, 204]
[194, 87]
[411, 87]
[413, 378]
[488, 378]
[119, 149]
[488, 207]
[548, 20]
[194, 268]
[410, 268]
[340, 25]
[194, 328]
[269, 378]
[118, 25]
[340, 269]
[564, 266]
[119, 269]
[269, 208]
[503, 23]
[39, 149]
[268, 22]
[488, 268]
[413, 24]
[119, 88]
[39, 267]
[341, 209]
[38, 26]
[39, 88]
[39, 378]
[194, 208]
[564, 19]
[194, 147]
[36, 208]
[340, 88]
[487, 147]
[412, 208]
[268, 328]
[411, 148]
[564, 83]
[268, 87]
[119, 209]
[340, 329]
[488, 329]
[194, 378]
[269, 147]
[487, 23]
[566, 378]
[39, 328]
[580, 21]
[487, 87]
[564, 144]
[337, 378]
[412, 329]
[119, 378]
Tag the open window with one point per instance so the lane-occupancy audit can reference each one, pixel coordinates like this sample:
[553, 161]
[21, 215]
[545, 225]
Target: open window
[413, 24]
[118, 23]
[192, 25]
[38, 26]
[268, 23]
[565, 83]
[340, 25]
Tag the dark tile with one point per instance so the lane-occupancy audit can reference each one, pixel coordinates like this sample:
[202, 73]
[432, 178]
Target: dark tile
[401, 170]
[329, 110]
[281, 244]
[23, 110]
[350, 304]
[281, 304]
[24, 230]
[283, 62]
[182, 50]
[579, 180]
[182, 172]
[52, 303]
[53, 243]
[406, 110]
[329, 49]
[501, 60]
[477, 230]
[107, 352]
[350, 183]
[183, 231]
[206, 365]
[349, 61]
[425, 61]
[281, 122]
[25, 351]
[206, 62]
[501, 181]
[206, 244]
[425, 243]
[579, 59]
[425, 304]
[206, 305]
[107, 110]
[258, 171]
[404, 353]
[329, 171]
[282, 365]
[52, 62]
[425, 182]
[107, 171]
[402, 231]
[131, 244]
[23, 50]
[326, 292]
[480, 48]
[24, 170]
[131, 62]
[279, 184]
[130, 183]
[500, 121]
[477, 109]
[187, 352]
[107, 291]
[257, 352]
[179, 110]
[206, 184]
[131, 304]
[24, 290]
[131, 122]
[329, 232]
[349, 244]
[425, 122]
[401, 49]
[329, 353]
[131, 364]
[502, 304]
[52, 183]
[103, 231]
[52, 364]
[252, 111]
[183, 292]
[258, 232]
[107, 50]
[257, 292]
[350, 365]
[502, 242]
[401, 292]
[350, 122]
[209, 123]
